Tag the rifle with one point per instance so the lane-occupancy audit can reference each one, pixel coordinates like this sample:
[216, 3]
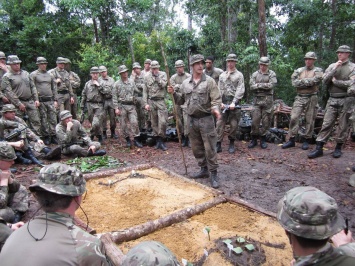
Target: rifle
[15, 133]
[82, 117]
[226, 107]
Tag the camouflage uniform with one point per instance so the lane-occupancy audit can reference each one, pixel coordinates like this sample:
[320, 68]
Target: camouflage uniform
[138, 94]
[5, 232]
[47, 94]
[55, 232]
[2, 73]
[214, 73]
[310, 213]
[75, 84]
[19, 88]
[149, 253]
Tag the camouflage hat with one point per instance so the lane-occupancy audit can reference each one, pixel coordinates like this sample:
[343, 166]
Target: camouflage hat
[94, 69]
[2, 55]
[122, 69]
[179, 63]
[61, 60]
[13, 59]
[7, 153]
[64, 115]
[136, 65]
[264, 60]
[8, 108]
[232, 57]
[310, 55]
[67, 61]
[149, 253]
[344, 49]
[41, 60]
[310, 213]
[102, 69]
[60, 179]
[147, 61]
[154, 64]
[197, 58]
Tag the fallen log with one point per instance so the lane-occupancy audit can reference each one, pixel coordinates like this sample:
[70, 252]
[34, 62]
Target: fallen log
[84, 226]
[250, 206]
[112, 251]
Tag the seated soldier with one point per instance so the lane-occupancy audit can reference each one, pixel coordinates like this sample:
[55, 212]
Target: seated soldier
[74, 139]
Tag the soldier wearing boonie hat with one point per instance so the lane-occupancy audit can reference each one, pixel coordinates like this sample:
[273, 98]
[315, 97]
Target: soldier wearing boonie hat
[138, 77]
[58, 190]
[310, 217]
[146, 69]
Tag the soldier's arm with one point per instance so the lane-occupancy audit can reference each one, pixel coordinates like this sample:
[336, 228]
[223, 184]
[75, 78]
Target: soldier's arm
[64, 137]
[346, 83]
[239, 93]
[316, 80]
[75, 82]
[329, 74]
[114, 95]
[272, 81]
[33, 88]
[296, 81]
[145, 92]
[163, 80]
[83, 97]
[252, 82]
[54, 89]
[135, 89]
[215, 95]
[70, 89]
[7, 90]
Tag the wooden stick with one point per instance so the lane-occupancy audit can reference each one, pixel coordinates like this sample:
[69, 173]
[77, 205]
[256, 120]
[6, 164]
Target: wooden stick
[112, 251]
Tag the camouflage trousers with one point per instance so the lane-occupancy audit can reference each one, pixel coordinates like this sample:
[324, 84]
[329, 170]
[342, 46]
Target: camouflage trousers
[234, 118]
[34, 121]
[5, 232]
[182, 120]
[109, 111]
[262, 112]
[141, 112]
[341, 109]
[80, 150]
[17, 201]
[307, 105]
[48, 116]
[95, 114]
[64, 102]
[203, 138]
[159, 117]
[129, 115]
[74, 107]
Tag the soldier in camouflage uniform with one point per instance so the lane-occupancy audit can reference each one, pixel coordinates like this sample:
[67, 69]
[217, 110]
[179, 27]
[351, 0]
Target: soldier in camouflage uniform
[310, 217]
[262, 83]
[338, 77]
[203, 99]
[13, 196]
[107, 83]
[19, 88]
[58, 190]
[231, 86]
[47, 95]
[73, 138]
[147, 69]
[3, 70]
[210, 70]
[64, 88]
[93, 97]
[154, 101]
[150, 253]
[75, 84]
[123, 102]
[138, 78]
[176, 81]
[306, 80]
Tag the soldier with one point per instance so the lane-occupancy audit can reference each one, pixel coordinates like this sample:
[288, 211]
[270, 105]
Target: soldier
[73, 138]
[338, 78]
[154, 101]
[93, 97]
[138, 78]
[310, 217]
[13, 196]
[64, 88]
[203, 100]
[3, 70]
[176, 81]
[210, 70]
[262, 83]
[59, 191]
[146, 69]
[19, 88]
[107, 83]
[231, 86]
[306, 80]
[75, 84]
[47, 95]
[123, 102]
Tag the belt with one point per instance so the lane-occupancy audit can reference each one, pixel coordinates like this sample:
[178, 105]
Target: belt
[306, 95]
[45, 98]
[127, 103]
[63, 92]
[338, 95]
[94, 102]
[200, 116]
[156, 98]
[25, 100]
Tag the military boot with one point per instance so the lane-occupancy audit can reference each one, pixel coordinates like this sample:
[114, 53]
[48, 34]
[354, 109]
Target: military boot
[113, 133]
[158, 140]
[203, 173]
[46, 140]
[289, 144]
[129, 143]
[21, 159]
[337, 152]
[253, 143]
[29, 155]
[137, 143]
[104, 134]
[219, 147]
[100, 139]
[52, 154]
[185, 140]
[162, 145]
[231, 148]
[263, 143]
[96, 153]
[305, 144]
[317, 152]
[54, 140]
[214, 179]
[353, 136]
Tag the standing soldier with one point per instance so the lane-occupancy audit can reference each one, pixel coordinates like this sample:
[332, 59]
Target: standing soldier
[92, 96]
[262, 83]
[138, 78]
[75, 84]
[3, 70]
[154, 101]
[203, 100]
[231, 86]
[64, 88]
[210, 70]
[306, 80]
[47, 95]
[107, 83]
[176, 81]
[146, 69]
[338, 78]
[123, 102]
[19, 88]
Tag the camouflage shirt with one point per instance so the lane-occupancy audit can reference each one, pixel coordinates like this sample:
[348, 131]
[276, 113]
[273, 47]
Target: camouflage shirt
[176, 80]
[45, 84]
[5, 190]
[65, 84]
[263, 84]
[123, 93]
[63, 243]
[214, 73]
[231, 86]
[7, 126]
[74, 81]
[77, 134]
[92, 93]
[154, 86]
[139, 81]
[307, 80]
[107, 84]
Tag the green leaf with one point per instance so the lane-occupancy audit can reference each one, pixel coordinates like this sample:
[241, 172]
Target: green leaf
[238, 250]
[208, 229]
[227, 241]
[240, 240]
[250, 247]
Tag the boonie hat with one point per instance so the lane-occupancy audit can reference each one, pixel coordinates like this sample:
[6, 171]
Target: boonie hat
[310, 55]
[2, 55]
[41, 60]
[232, 57]
[61, 60]
[102, 69]
[64, 115]
[197, 58]
[344, 49]
[8, 108]
[7, 153]
[94, 70]
[264, 60]
[179, 63]
[13, 59]
[154, 64]
[136, 65]
[122, 69]
[147, 61]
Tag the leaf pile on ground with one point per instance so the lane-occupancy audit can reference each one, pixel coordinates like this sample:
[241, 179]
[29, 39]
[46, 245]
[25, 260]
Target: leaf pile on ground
[96, 163]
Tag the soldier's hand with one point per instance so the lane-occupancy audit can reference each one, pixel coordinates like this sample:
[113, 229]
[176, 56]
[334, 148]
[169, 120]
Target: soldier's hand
[71, 100]
[37, 104]
[58, 80]
[96, 83]
[5, 100]
[3, 67]
[222, 105]
[55, 104]
[216, 113]
[18, 144]
[4, 178]
[92, 148]
[117, 111]
[69, 125]
[40, 142]
[147, 107]
[17, 225]
[341, 238]
[170, 89]
[232, 106]
[334, 79]
[22, 107]
[338, 64]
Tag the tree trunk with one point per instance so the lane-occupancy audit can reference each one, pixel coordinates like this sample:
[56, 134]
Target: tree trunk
[232, 30]
[262, 28]
[97, 40]
[130, 44]
[334, 26]
[112, 251]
